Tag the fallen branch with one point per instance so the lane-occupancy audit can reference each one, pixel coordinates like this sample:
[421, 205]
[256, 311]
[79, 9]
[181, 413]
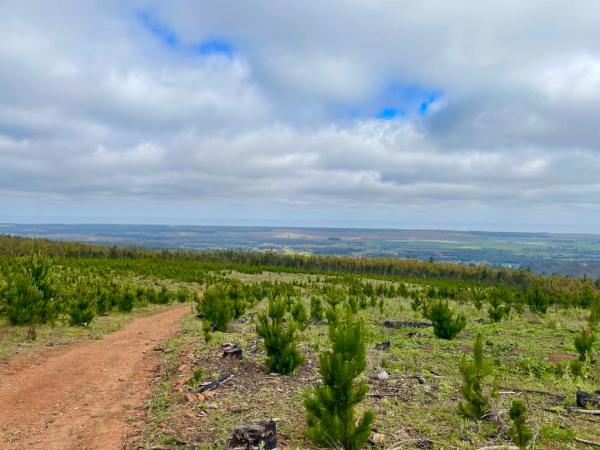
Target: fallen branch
[591, 412]
[533, 391]
[587, 442]
[385, 394]
[499, 447]
[213, 384]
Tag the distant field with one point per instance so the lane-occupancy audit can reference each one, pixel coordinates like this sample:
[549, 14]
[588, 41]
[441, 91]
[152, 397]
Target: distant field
[548, 253]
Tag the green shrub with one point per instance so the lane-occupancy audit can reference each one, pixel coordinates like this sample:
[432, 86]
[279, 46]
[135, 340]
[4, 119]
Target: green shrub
[537, 300]
[316, 309]
[497, 312]
[215, 307]
[352, 303]
[476, 402]
[496, 309]
[196, 378]
[279, 336]
[446, 324]
[299, 314]
[82, 308]
[126, 300]
[237, 299]
[164, 296]
[519, 431]
[584, 344]
[577, 368]
[30, 295]
[594, 318]
[331, 418]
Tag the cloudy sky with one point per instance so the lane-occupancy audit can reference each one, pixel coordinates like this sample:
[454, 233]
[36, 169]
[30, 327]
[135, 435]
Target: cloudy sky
[361, 113]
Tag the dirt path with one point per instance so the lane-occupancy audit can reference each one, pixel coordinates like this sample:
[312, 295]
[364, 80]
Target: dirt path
[81, 398]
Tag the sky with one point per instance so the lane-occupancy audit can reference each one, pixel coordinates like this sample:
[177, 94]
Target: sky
[347, 113]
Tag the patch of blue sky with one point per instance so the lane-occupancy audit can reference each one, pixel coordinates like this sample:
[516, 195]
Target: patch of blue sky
[398, 101]
[169, 38]
[216, 46]
[390, 113]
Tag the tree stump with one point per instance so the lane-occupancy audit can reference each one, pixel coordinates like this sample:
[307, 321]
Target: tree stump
[233, 351]
[254, 434]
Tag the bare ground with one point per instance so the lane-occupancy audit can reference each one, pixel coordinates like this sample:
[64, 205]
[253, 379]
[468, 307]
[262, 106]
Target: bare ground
[83, 396]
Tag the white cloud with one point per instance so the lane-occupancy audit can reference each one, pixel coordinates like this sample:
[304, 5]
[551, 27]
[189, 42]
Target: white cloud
[95, 107]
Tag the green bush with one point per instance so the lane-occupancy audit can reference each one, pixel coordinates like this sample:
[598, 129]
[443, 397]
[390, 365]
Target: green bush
[299, 314]
[519, 431]
[446, 324]
[215, 307]
[584, 344]
[331, 418]
[476, 402]
[279, 337]
[537, 300]
[594, 318]
[125, 300]
[316, 309]
[30, 295]
[82, 308]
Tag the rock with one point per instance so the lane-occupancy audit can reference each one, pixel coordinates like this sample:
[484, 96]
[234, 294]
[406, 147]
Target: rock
[231, 350]
[420, 379]
[383, 345]
[424, 444]
[378, 439]
[588, 400]
[261, 433]
[382, 376]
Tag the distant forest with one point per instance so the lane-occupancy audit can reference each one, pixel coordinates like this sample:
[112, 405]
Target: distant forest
[270, 261]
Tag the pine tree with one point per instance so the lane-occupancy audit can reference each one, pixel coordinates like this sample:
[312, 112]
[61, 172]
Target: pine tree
[280, 337]
[496, 310]
[30, 294]
[594, 318]
[331, 417]
[538, 300]
[519, 431]
[446, 325]
[476, 402]
[584, 344]
[215, 307]
[316, 309]
[299, 314]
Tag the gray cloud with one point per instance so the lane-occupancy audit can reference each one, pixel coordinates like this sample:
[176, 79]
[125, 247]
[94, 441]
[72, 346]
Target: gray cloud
[97, 109]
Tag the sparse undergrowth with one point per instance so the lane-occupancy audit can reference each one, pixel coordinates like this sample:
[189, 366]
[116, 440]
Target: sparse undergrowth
[416, 407]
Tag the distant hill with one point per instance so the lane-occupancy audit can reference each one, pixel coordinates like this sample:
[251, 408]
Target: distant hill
[547, 253]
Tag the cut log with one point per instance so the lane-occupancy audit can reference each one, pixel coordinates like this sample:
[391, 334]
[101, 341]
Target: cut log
[261, 433]
[406, 324]
[588, 400]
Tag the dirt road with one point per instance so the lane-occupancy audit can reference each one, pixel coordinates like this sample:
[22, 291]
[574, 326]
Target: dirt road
[81, 397]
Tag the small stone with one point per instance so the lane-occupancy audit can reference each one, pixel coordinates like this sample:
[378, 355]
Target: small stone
[382, 376]
[378, 439]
